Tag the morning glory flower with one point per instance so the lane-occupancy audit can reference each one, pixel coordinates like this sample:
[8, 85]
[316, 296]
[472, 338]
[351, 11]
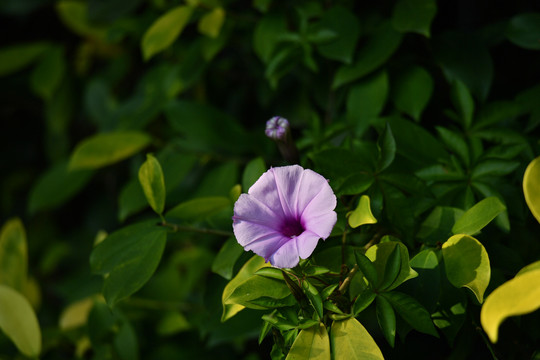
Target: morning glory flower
[284, 214]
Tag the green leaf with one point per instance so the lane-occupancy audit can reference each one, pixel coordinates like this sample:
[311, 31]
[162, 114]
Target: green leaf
[534, 266]
[379, 254]
[164, 31]
[259, 287]
[467, 264]
[378, 48]
[392, 268]
[17, 57]
[531, 187]
[518, 296]
[456, 143]
[200, 208]
[412, 91]
[524, 31]
[387, 319]
[230, 307]
[355, 183]
[312, 343]
[367, 268]
[48, 73]
[130, 256]
[494, 168]
[351, 341]
[211, 22]
[411, 311]
[267, 35]
[477, 217]
[13, 255]
[362, 214]
[463, 102]
[386, 145]
[19, 322]
[226, 258]
[253, 171]
[414, 16]
[104, 149]
[363, 300]
[153, 183]
[366, 100]
[427, 286]
[346, 27]
[74, 14]
[314, 297]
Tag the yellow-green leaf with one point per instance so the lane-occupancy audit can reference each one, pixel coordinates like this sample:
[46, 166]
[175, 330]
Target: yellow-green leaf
[76, 314]
[531, 187]
[19, 322]
[362, 214]
[477, 217]
[153, 183]
[534, 266]
[230, 308]
[211, 23]
[312, 343]
[518, 296]
[165, 30]
[74, 14]
[379, 255]
[467, 264]
[351, 341]
[13, 255]
[105, 149]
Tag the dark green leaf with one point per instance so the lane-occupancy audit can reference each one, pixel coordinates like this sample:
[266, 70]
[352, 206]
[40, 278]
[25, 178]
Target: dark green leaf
[380, 256]
[56, 186]
[346, 28]
[392, 268]
[314, 297]
[437, 226]
[494, 168]
[413, 91]
[367, 268]
[130, 256]
[200, 208]
[363, 300]
[267, 35]
[17, 57]
[414, 16]
[455, 143]
[226, 258]
[253, 171]
[524, 31]
[386, 319]
[48, 73]
[463, 102]
[387, 148]
[379, 47]
[411, 311]
[270, 272]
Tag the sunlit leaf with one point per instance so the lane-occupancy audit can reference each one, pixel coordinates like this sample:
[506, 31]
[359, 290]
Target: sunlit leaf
[211, 22]
[467, 264]
[477, 217]
[74, 14]
[108, 148]
[76, 314]
[153, 183]
[351, 341]
[312, 343]
[165, 30]
[19, 322]
[518, 296]
[379, 255]
[13, 255]
[362, 214]
[531, 187]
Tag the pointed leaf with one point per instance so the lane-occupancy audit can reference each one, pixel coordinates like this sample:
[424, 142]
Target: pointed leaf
[411, 311]
[477, 217]
[108, 148]
[153, 183]
[363, 300]
[379, 254]
[200, 208]
[346, 28]
[392, 268]
[226, 258]
[16, 57]
[463, 102]
[414, 16]
[413, 91]
[211, 22]
[19, 322]
[312, 343]
[387, 148]
[253, 171]
[518, 296]
[165, 30]
[362, 214]
[314, 297]
[367, 268]
[351, 341]
[13, 255]
[467, 264]
[387, 319]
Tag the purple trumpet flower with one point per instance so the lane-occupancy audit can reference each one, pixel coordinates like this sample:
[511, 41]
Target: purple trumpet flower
[284, 214]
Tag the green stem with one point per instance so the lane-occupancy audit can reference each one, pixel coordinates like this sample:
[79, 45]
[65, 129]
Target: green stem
[348, 279]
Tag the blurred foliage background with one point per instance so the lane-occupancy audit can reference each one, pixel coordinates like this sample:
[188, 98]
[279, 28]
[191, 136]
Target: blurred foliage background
[194, 82]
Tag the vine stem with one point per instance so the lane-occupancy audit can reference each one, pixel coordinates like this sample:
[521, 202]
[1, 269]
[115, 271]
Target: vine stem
[348, 279]
[177, 228]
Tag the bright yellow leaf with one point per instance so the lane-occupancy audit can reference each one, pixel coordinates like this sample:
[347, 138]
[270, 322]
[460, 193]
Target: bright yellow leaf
[531, 187]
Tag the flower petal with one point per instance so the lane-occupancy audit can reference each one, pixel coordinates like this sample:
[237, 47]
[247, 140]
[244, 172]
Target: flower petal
[321, 225]
[315, 196]
[306, 243]
[266, 245]
[250, 209]
[246, 232]
[286, 256]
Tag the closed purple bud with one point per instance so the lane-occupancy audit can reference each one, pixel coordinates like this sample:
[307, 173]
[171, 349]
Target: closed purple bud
[277, 128]
[284, 214]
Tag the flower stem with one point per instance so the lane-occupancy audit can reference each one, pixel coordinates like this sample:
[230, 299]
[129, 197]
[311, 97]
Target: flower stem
[177, 228]
[348, 279]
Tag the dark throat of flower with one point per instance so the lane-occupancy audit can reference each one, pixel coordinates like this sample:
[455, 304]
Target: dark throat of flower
[292, 228]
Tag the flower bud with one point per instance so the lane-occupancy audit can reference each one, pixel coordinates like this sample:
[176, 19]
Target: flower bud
[279, 130]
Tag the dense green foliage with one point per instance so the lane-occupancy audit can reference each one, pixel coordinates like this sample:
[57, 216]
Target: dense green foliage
[129, 128]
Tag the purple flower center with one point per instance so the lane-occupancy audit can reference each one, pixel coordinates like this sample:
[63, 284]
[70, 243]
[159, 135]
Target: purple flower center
[292, 228]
